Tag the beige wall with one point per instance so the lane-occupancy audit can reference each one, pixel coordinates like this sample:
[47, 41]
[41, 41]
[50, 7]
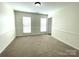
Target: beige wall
[35, 23]
[49, 25]
[66, 25]
[7, 27]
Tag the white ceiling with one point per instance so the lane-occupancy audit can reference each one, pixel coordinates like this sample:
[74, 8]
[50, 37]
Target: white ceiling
[46, 8]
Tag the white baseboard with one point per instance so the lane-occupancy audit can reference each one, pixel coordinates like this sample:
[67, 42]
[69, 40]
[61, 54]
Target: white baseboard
[32, 34]
[6, 39]
[71, 39]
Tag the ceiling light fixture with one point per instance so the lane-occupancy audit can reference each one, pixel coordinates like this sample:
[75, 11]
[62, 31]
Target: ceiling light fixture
[37, 4]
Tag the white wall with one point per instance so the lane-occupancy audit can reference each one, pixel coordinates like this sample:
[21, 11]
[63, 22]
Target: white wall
[66, 25]
[7, 27]
[35, 23]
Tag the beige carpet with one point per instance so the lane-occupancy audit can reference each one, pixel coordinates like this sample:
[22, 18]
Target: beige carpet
[38, 46]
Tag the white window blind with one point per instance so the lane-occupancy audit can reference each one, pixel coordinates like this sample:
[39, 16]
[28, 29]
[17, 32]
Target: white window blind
[43, 25]
[26, 24]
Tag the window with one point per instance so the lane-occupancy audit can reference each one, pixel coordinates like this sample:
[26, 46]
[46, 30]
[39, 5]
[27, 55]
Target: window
[43, 25]
[26, 24]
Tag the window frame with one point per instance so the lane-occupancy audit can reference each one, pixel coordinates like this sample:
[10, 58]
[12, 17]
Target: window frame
[26, 24]
[45, 24]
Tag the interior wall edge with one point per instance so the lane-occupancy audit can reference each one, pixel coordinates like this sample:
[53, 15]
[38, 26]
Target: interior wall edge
[67, 38]
[9, 38]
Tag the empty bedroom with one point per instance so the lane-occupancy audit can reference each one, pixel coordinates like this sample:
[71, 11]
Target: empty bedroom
[39, 29]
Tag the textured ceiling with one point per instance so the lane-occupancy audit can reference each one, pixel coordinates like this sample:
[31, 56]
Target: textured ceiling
[46, 8]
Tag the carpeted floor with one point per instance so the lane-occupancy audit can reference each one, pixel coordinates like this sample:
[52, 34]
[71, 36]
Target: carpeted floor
[38, 46]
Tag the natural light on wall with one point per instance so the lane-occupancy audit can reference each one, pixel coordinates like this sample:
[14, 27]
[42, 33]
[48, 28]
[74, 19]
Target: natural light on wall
[43, 25]
[26, 24]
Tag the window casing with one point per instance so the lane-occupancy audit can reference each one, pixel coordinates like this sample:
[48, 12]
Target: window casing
[26, 24]
[43, 22]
